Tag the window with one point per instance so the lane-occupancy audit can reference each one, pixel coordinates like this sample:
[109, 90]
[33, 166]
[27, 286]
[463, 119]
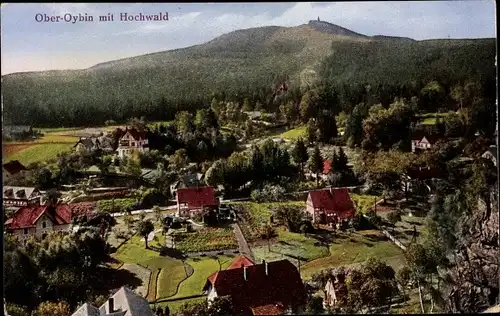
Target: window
[26, 231]
[44, 224]
[133, 144]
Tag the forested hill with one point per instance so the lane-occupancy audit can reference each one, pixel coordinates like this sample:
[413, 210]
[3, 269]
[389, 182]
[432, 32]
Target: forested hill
[249, 63]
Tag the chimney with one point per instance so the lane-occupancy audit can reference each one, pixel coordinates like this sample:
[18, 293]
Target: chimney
[245, 273]
[111, 305]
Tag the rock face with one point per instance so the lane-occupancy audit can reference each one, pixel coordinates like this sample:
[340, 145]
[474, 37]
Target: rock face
[477, 271]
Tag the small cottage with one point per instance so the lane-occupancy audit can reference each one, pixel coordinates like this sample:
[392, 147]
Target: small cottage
[329, 205]
[196, 200]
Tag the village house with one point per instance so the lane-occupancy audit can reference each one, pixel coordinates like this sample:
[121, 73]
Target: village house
[39, 220]
[13, 168]
[188, 181]
[420, 178]
[194, 201]
[272, 288]
[20, 196]
[335, 291]
[123, 303]
[491, 154]
[17, 131]
[328, 206]
[419, 142]
[132, 141]
[89, 144]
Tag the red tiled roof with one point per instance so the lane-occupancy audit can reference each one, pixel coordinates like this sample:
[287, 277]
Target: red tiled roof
[281, 284]
[14, 167]
[334, 200]
[239, 261]
[327, 166]
[269, 309]
[27, 216]
[197, 197]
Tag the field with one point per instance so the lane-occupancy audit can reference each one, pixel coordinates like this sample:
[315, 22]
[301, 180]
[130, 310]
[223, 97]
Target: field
[430, 118]
[31, 153]
[294, 133]
[206, 239]
[355, 248]
[174, 306]
[43, 149]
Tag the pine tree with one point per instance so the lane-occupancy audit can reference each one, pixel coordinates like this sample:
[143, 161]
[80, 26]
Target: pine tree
[311, 131]
[299, 154]
[342, 160]
[315, 163]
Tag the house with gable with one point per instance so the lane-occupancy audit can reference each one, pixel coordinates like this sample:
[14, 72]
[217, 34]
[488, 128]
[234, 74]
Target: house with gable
[123, 303]
[39, 220]
[335, 292]
[190, 180]
[132, 140]
[421, 142]
[327, 206]
[20, 196]
[90, 144]
[272, 288]
[491, 154]
[195, 200]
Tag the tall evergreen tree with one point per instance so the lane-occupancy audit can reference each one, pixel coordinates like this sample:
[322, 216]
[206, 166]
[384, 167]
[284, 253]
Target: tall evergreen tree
[299, 154]
[315, 163]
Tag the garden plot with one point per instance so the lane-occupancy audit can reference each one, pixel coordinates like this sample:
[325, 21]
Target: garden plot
[206, 239]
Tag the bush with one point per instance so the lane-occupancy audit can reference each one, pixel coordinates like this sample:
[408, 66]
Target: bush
[117, 205]
[270, 193]
[359, 222]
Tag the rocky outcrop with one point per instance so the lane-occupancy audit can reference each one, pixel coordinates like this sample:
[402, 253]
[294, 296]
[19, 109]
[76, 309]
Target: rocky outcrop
[477, 271]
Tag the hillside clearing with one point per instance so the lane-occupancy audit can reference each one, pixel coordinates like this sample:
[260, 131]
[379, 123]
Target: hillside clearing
[39, 152]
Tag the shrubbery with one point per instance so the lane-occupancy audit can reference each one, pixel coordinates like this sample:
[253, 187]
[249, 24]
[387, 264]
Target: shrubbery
[270, 193]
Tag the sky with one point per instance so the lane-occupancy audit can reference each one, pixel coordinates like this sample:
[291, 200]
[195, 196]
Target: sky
[28, 45]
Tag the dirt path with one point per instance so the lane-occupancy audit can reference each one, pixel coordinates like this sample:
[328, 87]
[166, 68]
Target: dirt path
[242, 242]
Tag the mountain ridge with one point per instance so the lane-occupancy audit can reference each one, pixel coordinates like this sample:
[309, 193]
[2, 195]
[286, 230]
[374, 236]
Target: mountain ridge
[248, 62]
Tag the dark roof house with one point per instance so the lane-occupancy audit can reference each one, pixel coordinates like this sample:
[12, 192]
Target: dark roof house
[13, 167]
[261, 289]
[333, 200]
[197, 197]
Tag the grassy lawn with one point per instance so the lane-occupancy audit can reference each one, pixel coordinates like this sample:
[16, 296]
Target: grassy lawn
[356, 248]
[291, 245]
[172, 270]
[430, 118]
[363, 201]
[39, 152]
[206, 239]
[202, 267]
[404, 228]
[294, 133]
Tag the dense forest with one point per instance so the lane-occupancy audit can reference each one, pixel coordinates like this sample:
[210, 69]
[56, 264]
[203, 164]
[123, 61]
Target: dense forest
[249, 64]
